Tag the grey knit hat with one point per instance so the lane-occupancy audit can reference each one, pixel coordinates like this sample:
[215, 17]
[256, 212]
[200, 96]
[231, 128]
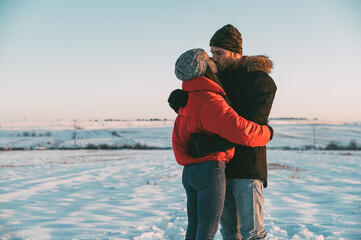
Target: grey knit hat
[229, 38]
[191, 64]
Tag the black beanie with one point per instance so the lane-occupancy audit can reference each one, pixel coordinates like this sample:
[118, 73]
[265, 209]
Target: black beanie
[229, 38]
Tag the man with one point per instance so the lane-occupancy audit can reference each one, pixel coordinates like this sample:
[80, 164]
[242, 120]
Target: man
[251, 92]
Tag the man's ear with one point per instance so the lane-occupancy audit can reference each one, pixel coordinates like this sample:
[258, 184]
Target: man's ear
[236, 55]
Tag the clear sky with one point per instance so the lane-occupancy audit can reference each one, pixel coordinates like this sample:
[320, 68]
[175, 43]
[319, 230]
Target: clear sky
[87, 59]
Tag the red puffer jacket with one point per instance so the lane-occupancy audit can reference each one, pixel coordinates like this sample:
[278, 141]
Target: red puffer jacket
[208, 112]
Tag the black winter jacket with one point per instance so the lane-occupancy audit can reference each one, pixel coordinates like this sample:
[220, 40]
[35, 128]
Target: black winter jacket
[251, 92]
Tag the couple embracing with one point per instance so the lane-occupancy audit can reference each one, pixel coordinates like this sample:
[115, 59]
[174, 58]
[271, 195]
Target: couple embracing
[220, 134]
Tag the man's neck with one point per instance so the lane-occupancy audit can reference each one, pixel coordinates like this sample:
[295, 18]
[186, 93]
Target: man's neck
[237, 63]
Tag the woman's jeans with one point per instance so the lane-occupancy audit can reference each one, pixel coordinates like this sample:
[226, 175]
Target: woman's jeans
[205, 185]
[243, 210]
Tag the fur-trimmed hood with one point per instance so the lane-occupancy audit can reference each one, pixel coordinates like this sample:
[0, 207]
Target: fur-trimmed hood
[258, 63]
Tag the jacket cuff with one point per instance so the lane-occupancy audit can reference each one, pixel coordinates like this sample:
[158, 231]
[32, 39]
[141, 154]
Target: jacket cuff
[271, 130]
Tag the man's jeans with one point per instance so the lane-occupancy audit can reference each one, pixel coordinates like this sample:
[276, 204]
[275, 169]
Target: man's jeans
[205, 185]
[246, 196]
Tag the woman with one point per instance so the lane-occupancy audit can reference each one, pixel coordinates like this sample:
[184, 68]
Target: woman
[207, 111]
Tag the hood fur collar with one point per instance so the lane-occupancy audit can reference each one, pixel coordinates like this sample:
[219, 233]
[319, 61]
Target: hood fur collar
[258, 63]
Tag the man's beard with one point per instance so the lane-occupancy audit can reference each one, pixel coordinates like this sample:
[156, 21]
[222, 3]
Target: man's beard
[226, 66]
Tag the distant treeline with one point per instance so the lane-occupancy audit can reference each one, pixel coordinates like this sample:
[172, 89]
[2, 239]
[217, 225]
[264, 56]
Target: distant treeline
[125, 120]
[335, 146]
[291, 118]
[137, 146]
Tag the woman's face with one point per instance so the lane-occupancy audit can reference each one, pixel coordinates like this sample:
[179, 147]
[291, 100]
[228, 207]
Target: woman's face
[212, 65]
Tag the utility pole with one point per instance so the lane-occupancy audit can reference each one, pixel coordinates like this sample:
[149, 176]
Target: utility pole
[75, 126]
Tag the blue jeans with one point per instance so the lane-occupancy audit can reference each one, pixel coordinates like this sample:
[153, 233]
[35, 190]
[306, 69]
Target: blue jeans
[242, 216]
[205, 185]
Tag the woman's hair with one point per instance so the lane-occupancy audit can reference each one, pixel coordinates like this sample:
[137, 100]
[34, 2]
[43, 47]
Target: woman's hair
[212, 76]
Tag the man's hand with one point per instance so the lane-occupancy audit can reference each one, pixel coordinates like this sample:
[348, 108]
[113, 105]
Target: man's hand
[202, 145]
[177, 99]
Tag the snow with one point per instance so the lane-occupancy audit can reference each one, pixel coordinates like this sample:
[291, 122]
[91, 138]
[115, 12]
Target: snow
[138, 194]
[67, 134]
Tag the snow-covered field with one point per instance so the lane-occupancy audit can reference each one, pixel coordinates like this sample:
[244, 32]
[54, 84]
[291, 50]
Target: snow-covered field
[65, 134]
[137, 194]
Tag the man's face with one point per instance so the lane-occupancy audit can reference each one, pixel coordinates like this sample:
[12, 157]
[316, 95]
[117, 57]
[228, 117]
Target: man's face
[223, 58]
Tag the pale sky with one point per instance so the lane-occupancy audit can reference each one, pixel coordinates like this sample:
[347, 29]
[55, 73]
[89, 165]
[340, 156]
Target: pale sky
[87, 59]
